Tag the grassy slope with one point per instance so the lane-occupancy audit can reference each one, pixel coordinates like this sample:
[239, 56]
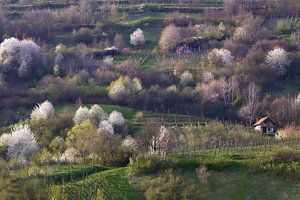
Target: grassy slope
[237, 185]
[114, 182]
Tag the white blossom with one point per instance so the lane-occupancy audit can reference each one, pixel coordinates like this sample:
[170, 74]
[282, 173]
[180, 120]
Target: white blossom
[108, 60]
[22, 143]
[60, 48]
[164, 142]
[223, 54]
[186, 78]
[124, 88]
[16, 53]
[69, 155]
[278, 60]
[106, 127]
[43, 111]
[221, 27]
[207, 77]
[81, 115]
[5, 137]
[97, 113]
[172, 88]
[116, 118]
[137, 37]
[130, 143]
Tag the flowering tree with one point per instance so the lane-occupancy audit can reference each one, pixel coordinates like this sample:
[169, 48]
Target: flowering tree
[207, 77]
[22, 143]
[163, 142]
[124, 88]
[21, 58]
[278, 60]
[106, 127]
[5, 137]
[43, 111]
[250, 30]
[97, 113]
[170, 37]
[186, 78]
[69, 155]
[137, 37]
[130, 144]
[81, 115]
[221, 57]
[116, 118]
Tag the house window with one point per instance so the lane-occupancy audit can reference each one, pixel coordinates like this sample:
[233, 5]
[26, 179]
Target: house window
[270, 130]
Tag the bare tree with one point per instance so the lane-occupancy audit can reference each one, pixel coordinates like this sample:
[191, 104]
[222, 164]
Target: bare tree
[39, 22]
[82, 51]
[228, 89]
[250, 109]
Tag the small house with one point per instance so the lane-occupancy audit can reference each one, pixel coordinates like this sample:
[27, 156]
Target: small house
[266, 126]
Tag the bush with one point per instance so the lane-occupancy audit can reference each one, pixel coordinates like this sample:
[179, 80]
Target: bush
[84, 35]
[171, 186]
[283, 155]
[151, 164]
[143, 164]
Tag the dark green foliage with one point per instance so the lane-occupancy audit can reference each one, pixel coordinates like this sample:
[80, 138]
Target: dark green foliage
[84, 35]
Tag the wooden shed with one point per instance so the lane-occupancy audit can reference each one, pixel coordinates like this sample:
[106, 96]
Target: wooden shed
[266, 126]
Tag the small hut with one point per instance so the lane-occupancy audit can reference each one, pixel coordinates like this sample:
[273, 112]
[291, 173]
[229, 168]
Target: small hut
[266, 126]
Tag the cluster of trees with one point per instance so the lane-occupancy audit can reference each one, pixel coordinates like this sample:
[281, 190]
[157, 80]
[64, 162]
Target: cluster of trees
[21, 58]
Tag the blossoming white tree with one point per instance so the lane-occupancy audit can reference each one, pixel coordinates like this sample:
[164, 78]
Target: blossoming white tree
[278, 60]
[22, 143]
[221, 55]
[186, 78]
[124, 88]
[97, 113]
[137, 37]
[22, 57]
[81, 115]
[130, 144]
[106, 127]
[116, 118]
[43, 111]
[69, 155]
[163, 142]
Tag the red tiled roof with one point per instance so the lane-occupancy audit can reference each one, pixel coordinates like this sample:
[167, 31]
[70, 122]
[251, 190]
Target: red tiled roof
[260, 121]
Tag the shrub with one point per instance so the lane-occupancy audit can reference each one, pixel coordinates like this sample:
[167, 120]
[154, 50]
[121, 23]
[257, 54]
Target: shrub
[169, 185]
[186, 78]
[283, 155]
[84, 35]
[288, 132]
[143, 164]
[170, 37]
